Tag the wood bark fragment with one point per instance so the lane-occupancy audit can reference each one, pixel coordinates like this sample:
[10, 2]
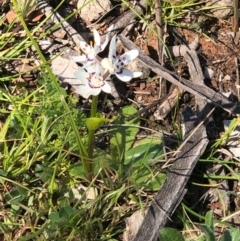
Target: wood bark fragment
[167, 105]
[173, 189]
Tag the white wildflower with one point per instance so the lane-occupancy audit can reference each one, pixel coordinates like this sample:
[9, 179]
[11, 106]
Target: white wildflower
[90, 52]
[115, 65]
[92, 81]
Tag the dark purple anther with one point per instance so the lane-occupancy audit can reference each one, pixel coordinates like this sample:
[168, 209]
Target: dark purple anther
[120, 72]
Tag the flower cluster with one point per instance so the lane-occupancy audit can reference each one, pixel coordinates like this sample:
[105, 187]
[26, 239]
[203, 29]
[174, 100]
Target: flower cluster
[94, 74]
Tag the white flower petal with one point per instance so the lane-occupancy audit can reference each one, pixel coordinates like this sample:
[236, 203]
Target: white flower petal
[83, 90]
[112, 49]
[86, 64]
[136, 74]
[97, 38]
[86, 91]
[80, 58]
[95, 91]
[107, 64]
[106, 87]
[103, 46]
[85, 47]
[127, 57]
[125, 75]
[82, 75]
[110, 28]
[91, 55]
[91, 68]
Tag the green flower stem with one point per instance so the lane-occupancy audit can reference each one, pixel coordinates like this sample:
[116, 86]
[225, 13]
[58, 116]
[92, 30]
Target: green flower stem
[94, 106]
[91, 132]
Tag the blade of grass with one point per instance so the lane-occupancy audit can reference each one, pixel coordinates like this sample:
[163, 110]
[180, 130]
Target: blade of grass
[82, 150]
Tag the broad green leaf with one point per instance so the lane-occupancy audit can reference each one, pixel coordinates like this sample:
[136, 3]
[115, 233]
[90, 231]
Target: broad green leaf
[54, 217]
[77, 171]
[22, 191]
[15, 207]
[45, 173]
[208, 232]
[232, 234]
[124, 134]
[14, 197]
[66, 212]
[3, 173]
[170, 234]
[144, 153]
[209, 219]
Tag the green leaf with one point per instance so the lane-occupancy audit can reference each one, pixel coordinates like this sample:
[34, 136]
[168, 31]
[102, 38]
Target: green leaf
[15, 208]
[209, 219]
[124, 134]
[54, 217]
[3, 173]
[94, 123]
[144, 152]
[45, 173]
[66, 212]
[170, 234]
[231, 234]
[208, 232]
[77, 171]
[14, 197]
[22, 191]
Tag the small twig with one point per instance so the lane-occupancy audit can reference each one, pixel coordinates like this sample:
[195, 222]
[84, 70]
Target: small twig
[159, 25]
[235, 22]
[235, 17]
[237, 76]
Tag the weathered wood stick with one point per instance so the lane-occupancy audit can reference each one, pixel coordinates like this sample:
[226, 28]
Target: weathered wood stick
[173, 189]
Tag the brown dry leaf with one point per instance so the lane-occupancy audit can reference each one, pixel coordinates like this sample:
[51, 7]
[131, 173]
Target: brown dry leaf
[11, 16]
[34, 16]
